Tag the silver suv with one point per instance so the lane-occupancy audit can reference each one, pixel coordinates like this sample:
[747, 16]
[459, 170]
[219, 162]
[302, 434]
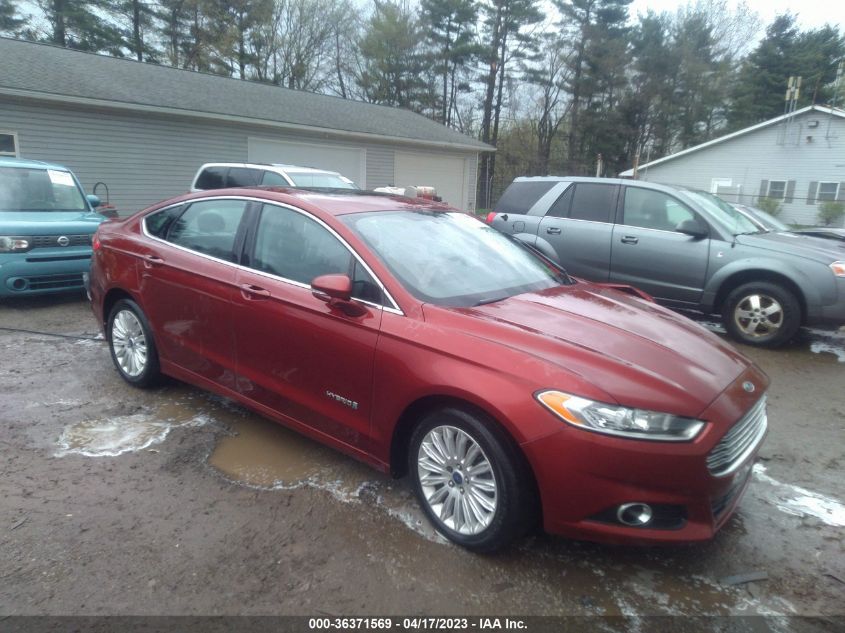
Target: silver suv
[687, 248]
[224, 175]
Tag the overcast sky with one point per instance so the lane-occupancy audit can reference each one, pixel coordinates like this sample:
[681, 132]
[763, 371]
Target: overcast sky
[811, 13]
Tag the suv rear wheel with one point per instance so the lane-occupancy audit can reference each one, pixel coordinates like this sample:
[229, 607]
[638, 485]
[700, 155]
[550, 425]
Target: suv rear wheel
[762, 314]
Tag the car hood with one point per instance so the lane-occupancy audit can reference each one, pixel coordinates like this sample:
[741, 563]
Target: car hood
[634, 351]
[814, 248]
[48, 222]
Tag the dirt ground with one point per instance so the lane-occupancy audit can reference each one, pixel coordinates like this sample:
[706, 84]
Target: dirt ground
[119, 501]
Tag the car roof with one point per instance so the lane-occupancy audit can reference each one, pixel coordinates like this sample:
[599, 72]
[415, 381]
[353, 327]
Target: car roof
[25, 163]
[645, 184]
[277, 167]
[333, 202]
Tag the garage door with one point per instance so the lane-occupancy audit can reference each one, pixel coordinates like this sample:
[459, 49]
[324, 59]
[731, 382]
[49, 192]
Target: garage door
[348, 161]
[443, 171]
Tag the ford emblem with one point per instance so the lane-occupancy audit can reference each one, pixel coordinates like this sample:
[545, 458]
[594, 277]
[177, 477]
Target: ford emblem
[63, 240]
[748, 386]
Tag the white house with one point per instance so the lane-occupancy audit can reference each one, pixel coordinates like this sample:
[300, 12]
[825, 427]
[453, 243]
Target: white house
[798, 160]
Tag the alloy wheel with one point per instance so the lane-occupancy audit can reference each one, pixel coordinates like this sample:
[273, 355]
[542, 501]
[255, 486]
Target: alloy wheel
[758, 316]
[129, 343]
[457, 480]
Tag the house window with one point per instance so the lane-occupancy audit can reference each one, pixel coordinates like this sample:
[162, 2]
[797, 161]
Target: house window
[828, 191]
[777, 189]
[8, 144]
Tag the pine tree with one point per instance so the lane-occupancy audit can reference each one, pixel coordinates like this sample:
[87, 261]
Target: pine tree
[11, 22]
[785, 52]
[450, 32]
[504, 42]
[393, 59]
[598, 65]
[81, 25]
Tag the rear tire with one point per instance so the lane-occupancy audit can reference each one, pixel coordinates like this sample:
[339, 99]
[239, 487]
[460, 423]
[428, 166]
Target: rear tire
[470, 480]
[762, 314]
[132, 346]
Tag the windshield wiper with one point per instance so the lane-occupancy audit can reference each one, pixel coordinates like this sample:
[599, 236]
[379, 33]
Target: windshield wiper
[486, 301]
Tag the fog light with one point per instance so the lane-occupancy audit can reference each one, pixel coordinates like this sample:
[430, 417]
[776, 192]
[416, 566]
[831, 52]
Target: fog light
[19, 284]
[634, 514]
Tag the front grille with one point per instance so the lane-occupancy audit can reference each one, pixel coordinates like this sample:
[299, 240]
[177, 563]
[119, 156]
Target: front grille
[739, 442]
[50, 282]
[48, 241]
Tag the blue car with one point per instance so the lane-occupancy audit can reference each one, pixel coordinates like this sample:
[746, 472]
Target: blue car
[46, 227]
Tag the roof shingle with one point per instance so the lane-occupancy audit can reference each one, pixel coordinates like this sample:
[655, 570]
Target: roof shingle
[30, 67]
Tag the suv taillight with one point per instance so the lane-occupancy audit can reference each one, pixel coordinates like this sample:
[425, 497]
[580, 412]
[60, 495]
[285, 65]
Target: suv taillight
[95, 242]
[490, 217]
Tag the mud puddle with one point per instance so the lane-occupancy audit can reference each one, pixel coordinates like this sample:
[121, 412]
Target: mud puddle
[262, 454]
[798, 501]
[816, 341]
[110, 437]
[115, 435]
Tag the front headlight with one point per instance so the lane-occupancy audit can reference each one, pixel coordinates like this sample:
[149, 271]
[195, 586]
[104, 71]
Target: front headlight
[838, 268]
[622, 421]
[10, 244]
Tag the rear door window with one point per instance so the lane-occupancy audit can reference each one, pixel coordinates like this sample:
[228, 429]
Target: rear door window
[211, 178]
[243, 177]
[519, 197]
[593, 202]
[209, 227]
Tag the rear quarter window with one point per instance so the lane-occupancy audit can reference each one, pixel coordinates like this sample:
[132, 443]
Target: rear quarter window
[211, 178]
[519, 197]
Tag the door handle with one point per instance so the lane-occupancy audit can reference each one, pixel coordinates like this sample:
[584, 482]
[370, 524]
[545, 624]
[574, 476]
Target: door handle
[630, 239]
[152, 260]
[553, 230]
[253, 292]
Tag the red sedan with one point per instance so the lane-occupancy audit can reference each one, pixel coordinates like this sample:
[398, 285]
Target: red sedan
[422, 341]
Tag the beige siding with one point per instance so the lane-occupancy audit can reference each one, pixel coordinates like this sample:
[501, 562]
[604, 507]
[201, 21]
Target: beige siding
[144, 158]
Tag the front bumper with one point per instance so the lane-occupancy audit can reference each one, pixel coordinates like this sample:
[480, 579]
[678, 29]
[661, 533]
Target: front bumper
[834, 313]
[44, 271]
[583, 477]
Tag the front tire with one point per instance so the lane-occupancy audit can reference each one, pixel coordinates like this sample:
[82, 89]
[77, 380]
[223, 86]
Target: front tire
[470, 480]
[762, 314]
[131, 344]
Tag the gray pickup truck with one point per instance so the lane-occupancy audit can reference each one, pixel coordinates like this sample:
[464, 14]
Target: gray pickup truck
[687, 248]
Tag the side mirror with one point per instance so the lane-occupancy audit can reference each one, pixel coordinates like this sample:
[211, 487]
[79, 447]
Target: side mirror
[693, 228]
[336, 290]
[332, 287]
[93, 200]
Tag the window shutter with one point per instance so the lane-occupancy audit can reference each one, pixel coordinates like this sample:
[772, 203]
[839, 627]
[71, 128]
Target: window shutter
[811, 194]
[764, 189]
[790, 191]
[841, 196]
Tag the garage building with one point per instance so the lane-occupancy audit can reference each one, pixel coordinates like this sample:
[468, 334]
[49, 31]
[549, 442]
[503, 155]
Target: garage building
[144, 129]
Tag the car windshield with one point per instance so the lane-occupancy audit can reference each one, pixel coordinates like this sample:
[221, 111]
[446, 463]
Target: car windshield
[768, 220]
[452, 259]
[723, 213]
[23, 189]
[321, 180]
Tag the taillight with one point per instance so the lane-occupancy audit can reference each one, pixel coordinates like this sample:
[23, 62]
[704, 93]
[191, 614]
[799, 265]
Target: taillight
[95, 242]
[490, 217]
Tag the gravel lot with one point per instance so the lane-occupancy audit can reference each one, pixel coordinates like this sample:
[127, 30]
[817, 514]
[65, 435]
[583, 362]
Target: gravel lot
[119, 501]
